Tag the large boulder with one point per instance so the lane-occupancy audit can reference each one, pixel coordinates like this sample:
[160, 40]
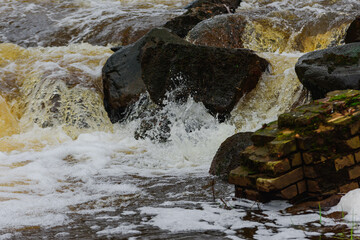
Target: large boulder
[220, 31]
[353, 32]
[330, 69]
[161, 62]
[227, 156]
[199, 11]
[122, 76]
[217, 77]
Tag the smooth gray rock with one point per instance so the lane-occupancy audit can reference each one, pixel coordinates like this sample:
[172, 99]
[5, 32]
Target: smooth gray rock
[335, 68]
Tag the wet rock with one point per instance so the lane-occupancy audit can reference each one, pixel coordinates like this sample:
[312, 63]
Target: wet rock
[330, 69]
[162, 62]
[309, 154]
[122, 76]
[155, 128]
[353, 32]
[217, 77]
[199, 11]
[220, 31]
[154, 120]
[226, 157]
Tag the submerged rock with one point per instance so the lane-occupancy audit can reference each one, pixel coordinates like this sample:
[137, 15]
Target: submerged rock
[353, 32]
[161, 62]
[330, 69]
[199, 11]
[309, 154]
[227, 156]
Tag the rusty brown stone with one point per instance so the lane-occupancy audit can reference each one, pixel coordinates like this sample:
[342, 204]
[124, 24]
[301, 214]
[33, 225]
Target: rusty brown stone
[348, 187]
[282, 148]
[239, 176]
[265, 134]
[289, 192]
[310, 172]
[355, 127]
[253, 195]
[316, 161]
[313, 186]
[296, 160]
[353, 143]
[345, 161]
[239, 192]
[325, 204]
[301, 186]
[271, 184]
[354, 172]
[357, 156]
[277, 167]
[308, 158]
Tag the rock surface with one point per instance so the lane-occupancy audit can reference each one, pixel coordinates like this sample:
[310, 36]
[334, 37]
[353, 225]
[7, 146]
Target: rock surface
[227, 156]
[311, 153]
[199, 11]
[217, 77]
[220, 31]
[353, 32]
[122, 76]
[161, 62]
[335, 68]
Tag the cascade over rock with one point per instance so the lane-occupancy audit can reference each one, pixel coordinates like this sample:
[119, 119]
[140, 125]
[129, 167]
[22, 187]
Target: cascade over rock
[227, 156]
[122, 76]
[198, 11]
[217, 77]
[330, 69]
[161, 62]
[353, 32]
[310, 153]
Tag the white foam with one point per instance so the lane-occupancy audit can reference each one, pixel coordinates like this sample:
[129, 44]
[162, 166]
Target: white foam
[350, 204]
[121, 229]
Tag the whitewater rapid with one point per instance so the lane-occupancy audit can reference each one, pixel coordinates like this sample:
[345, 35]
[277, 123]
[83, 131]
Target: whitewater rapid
[73, 175]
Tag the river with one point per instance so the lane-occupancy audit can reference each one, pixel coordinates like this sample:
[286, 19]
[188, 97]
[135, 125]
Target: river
[67, 172]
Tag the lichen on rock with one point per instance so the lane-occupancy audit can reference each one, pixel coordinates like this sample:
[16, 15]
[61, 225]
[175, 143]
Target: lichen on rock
[310, 153]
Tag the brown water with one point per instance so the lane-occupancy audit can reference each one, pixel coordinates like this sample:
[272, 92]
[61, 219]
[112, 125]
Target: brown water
[66, 172]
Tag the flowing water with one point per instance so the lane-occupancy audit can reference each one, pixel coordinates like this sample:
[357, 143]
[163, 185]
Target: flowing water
[66, 172]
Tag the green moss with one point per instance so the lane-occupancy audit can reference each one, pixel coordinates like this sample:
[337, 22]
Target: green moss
[338, 98]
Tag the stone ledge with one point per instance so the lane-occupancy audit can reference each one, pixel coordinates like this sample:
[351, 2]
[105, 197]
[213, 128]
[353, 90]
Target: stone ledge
[312, 152]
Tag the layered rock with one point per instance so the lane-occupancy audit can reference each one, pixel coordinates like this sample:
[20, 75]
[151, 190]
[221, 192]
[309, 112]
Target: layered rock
[199, 11]
[335, 68]
[312, 152]
[353, 32]
[161, 62]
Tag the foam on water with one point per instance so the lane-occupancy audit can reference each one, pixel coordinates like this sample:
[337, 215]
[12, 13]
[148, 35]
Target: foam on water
[58, 23]
[102, 180]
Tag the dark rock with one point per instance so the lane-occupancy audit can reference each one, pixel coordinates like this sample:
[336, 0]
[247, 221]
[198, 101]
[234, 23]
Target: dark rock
[353, 32]
[232, 5]
[217, 77]
[335, 68]
[220, 31]
[155, 128]
[199, 11]
[161, 62]
[121, 74]
[227, 156]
